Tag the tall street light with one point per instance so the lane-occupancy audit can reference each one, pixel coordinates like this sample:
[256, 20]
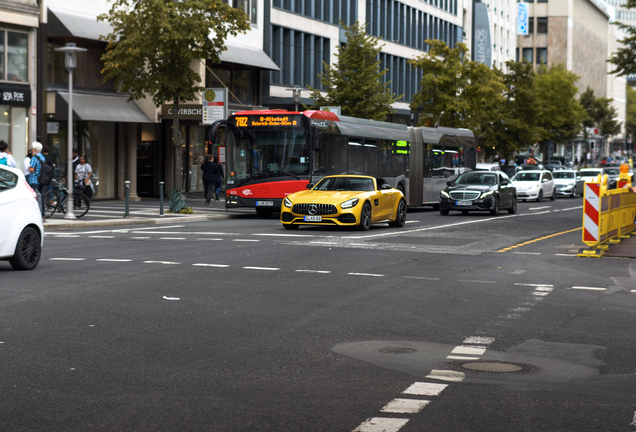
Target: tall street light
[70, 61]
[296, 95]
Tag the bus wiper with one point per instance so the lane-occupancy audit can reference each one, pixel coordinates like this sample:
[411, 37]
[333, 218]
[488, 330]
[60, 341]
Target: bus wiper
[287, 173]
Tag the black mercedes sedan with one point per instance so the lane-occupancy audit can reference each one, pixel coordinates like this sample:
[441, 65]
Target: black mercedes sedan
[479, 191]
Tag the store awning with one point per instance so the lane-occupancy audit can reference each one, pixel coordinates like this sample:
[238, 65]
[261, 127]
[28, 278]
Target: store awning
[63, 23]
[102, 108]
[248, 56]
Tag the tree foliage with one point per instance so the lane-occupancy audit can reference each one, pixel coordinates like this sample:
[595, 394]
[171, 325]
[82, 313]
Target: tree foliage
[630, 118]
[560, 113]
[599, 113]
[458, 92]
[356, 82]
[624, 59]
[154, 42]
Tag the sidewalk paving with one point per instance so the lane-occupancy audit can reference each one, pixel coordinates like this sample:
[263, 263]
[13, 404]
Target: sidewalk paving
[146, 211]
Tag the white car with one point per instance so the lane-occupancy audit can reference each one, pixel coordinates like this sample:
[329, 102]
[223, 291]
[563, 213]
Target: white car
[568, 183]
[589, 174]
[534, 185]
[22, 232]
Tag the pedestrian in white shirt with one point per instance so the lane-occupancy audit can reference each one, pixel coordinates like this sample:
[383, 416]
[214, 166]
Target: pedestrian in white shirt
[5, 156]
[26, 164]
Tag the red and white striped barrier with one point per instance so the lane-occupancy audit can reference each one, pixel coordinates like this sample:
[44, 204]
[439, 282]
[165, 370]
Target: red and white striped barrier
[591, 213]
[622, 184]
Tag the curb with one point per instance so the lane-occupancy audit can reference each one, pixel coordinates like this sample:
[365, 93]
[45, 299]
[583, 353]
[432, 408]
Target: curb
[48, 226]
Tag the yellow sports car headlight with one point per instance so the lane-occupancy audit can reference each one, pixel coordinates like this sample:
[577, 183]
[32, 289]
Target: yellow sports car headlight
[350, 203]
[287, 202]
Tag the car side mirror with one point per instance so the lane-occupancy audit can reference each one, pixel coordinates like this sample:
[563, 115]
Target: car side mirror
[449, 182]
[386, 186]
[578, 178]
[309, 185]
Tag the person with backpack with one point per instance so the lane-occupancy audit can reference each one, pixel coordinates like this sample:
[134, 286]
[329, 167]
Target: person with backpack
[211, 176]
[5, 156]
[35, 168]
[48, 186]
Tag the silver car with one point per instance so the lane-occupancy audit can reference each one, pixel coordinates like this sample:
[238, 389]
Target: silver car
[568, 183]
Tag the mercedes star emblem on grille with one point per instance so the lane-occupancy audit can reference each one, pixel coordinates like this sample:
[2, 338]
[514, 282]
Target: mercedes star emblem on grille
[313, 209]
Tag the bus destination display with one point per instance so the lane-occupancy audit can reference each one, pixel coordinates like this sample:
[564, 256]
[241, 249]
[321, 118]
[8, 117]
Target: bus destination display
[269, 120]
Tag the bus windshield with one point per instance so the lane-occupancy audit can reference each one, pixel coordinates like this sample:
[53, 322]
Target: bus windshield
[267, 152]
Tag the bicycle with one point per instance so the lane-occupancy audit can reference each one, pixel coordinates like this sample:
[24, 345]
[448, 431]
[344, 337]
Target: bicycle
[57, 203]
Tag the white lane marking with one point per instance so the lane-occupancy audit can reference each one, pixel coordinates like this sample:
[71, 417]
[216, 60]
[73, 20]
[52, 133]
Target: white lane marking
[313, 271]
[94, 236]
[323, 243]
[171, 298]
[366, 274]
[570, 255]
[140, 238]
[409, 406]
[246, 240]
[289, 235]
[425, 389]
[544, 288]
[190, 233]
[588, 288]
[539, 208]
[445, 375]
[113, 260]
[261, 268]
[476, 281]
[422, 278]
[634, 421]
[357, 244]
[484, 340]
[66, 236]
[533, 285]
[527, 253]
[540, 294]
[381, 424]
[572, 208]
[162, 262]
[412, 221]
[129, 229]
[452, 357]
[468, 350]
[521, 309]
[172, 238]
[210, 265]
[67, 259]
[210, 239]
[633, 291]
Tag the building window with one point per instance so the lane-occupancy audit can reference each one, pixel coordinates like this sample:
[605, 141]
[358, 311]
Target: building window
[542, 1]
[89, 66]
[542, 56]
[247, 6]
[330, 11]
[542, 25]
[239, 79]
[530, 26]
[527, 54]
[14, 59]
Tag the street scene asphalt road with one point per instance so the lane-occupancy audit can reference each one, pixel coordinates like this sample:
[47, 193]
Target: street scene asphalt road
[451, 323]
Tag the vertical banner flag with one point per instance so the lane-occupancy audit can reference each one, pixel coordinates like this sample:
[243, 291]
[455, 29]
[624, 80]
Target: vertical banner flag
[522, 19]
[214, 105]
[482, 47]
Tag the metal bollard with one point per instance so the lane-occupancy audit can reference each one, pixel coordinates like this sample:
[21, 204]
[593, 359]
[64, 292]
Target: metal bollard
[161, 198]
[127, 214]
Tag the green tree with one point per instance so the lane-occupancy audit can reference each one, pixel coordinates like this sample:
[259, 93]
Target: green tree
[600, 113]
[624, 59]
[458, 92]
[630, 120]
[518, 128]
[153, 44]
[356, 82]
[560, 114]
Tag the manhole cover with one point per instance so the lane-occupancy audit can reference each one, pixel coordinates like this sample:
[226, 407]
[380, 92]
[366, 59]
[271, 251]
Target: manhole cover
[397, 350]
[491, 367]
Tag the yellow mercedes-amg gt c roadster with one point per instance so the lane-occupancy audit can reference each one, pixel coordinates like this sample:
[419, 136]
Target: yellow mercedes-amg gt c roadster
[345, 200]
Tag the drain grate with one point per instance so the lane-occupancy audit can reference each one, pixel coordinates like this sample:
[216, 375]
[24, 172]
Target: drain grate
[491, 367]
[397, 350]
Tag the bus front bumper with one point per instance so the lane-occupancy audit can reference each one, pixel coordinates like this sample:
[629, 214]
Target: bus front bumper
[235, 201]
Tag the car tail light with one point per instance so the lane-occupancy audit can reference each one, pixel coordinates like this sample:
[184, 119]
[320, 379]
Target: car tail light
[31, 189]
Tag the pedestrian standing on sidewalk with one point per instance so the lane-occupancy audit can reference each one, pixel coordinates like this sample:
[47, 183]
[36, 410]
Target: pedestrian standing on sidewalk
[211, 173]
[83, 174]
[5, 156]
[219, 181]
[34, 177]
[26, 164]
[48, 189]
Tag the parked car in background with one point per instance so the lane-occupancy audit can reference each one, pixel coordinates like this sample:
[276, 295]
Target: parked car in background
[534, 185]
[487, 167]
[479, 191]
[612, 176]
[568, 183]
[589, 174]
[529, 167]
[553, 165]
[22, 231]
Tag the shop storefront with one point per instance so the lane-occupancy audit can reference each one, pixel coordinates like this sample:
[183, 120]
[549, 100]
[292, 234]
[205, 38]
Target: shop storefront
[14, 119]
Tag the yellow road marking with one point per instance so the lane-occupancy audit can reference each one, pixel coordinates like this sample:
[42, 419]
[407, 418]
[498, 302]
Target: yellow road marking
[539, 239]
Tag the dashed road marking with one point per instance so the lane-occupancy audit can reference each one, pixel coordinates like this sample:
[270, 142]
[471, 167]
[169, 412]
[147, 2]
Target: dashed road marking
[470, 350]
[544, 288]
[425, 389]
[313, 271]
[366, 274]
[172, 238]
[634, 291]
[287, 235]
[446, 375]
[66, 236]
[171, 298]
[411, 221]
[422, 278]
[323, 243]
[381, 424]
[482, 340]
[101, 237]
[140, 238]
[246, 240]
[67, 259]
[533, 285]
[162, 262]
[210, 239]
[113, 260]
[405, 406]
[262, 268]
[588, 288]
[570, 255]
[476, 281]
[210, 265]
[528, 253]
[452, 357]
[539, 208]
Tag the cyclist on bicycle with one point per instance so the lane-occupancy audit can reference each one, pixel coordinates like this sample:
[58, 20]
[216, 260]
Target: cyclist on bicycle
[83, 174]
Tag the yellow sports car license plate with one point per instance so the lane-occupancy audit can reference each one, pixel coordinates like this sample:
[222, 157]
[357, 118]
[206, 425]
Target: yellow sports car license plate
[312, 218]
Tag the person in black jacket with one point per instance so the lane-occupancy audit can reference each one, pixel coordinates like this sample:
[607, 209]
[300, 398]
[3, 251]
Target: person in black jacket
[211, 179]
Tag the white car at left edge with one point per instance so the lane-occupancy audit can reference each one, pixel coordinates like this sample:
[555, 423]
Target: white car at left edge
[21, 229]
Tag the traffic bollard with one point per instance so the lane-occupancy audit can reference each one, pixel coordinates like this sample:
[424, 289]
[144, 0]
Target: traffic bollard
[161, 198]
[127, 183]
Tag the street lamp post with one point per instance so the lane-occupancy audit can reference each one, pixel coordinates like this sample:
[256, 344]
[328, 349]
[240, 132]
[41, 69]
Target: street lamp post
[296, 95]
[70, 61]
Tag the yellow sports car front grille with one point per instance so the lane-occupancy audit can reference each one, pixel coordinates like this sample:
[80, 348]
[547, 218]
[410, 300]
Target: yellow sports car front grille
[314, 209]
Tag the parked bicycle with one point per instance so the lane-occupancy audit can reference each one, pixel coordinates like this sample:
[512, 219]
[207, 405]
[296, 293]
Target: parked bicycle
[57, 203]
